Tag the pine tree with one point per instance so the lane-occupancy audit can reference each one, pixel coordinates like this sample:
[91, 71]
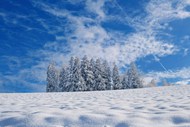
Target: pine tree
[67, 79]
[90, 78]
[125, 82]
[99, 80]
[52, 78]
[107, 75]
[78, 79]
[63, 80]
[116, 78]
[70, 78]
[152, 83]
[93, 81]
[87, 73]
[134, 80]
[84, 67]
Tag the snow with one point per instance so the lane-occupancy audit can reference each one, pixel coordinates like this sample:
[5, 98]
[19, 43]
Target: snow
[159, 107]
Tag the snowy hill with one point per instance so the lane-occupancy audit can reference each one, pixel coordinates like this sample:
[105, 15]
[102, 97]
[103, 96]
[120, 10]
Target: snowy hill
[158, 107]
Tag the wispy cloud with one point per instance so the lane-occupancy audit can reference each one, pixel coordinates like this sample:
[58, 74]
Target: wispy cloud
[96, 7]
[183, 73]
[183, 82]
[86, 33]
[181, 76]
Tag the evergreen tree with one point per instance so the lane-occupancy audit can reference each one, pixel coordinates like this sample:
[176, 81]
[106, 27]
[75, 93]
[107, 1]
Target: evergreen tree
[99, 80]
[67, 79]
[106, 75]
[116, 78]
[93, 81]
[152, 83]
[63, 80]
[52, 78]
[84, 67]
[125, 82]
[77, 77]
[70, 78]
[134, 80]
[87, 73]
[90, 78]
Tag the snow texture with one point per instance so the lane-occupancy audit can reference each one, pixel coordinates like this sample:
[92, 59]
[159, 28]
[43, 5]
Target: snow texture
[148, 107]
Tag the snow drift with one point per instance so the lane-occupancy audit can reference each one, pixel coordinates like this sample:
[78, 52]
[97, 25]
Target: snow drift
[158, 107]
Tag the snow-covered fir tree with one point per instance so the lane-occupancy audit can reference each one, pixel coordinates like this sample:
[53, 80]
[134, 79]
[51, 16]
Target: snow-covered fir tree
[67, 79]
[70, 78]
[92, 68]
[79, 84]
[63, 80]
[106, 74]
[84, 70]
[152, 83]
[134, 80]
[87, 74]
[90, 78]
[125, 82]
[52, 78]
[98, 75]
[116, 78]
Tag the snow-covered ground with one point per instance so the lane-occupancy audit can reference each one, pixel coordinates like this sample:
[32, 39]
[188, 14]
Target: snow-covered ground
[154, 107]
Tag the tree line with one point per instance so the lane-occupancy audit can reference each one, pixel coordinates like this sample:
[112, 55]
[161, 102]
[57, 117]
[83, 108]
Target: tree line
[91, 75]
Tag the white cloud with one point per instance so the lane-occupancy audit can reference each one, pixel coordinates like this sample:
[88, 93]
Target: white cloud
[185, 39]
[140, 44]
[181, 76]
[185, 52]
[20, 82]
[183, 73]
[183, 82]
[96, 7]
[168, 9]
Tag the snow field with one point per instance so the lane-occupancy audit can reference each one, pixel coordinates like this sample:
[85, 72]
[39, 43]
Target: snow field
[158, 107]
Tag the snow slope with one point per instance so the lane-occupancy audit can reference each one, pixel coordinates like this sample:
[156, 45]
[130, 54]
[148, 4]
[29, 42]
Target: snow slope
[158, 107]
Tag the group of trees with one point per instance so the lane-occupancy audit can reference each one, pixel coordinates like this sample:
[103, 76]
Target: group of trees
[90, 75]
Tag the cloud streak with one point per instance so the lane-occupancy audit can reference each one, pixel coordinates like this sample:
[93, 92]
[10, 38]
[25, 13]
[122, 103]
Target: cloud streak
[182, 76]
[183, 73]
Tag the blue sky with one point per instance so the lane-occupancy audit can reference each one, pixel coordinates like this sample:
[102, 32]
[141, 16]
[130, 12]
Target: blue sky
[153, 33]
